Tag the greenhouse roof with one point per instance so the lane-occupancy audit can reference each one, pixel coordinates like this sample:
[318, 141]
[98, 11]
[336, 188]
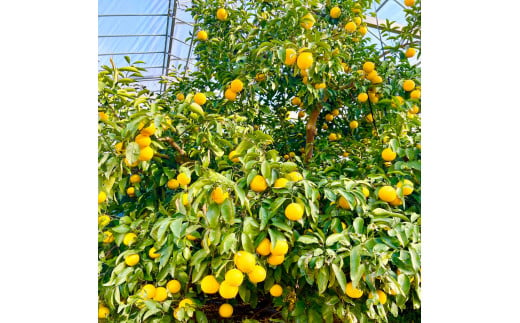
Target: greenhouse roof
[156, 32]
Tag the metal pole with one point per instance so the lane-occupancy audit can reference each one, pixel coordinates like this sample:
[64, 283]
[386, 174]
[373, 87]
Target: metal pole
[171, 33]
[165, 44]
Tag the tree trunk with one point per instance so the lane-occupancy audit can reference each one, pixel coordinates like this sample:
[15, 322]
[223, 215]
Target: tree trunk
[311, 132]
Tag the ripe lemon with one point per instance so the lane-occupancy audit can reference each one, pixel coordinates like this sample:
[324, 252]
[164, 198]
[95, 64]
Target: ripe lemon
[130, 191]
[227, 291]
[129, 239]
[377, 80]
[153, 253]
[388, 154]
[365, 191]
[135, 178]
[381, 295]
[147, 292]
[234, 277]
[209, 284]
[276, 290]
[232, 157]
[103, 312]
[345, 154]
[183, 179]
[329, 117]
[108, 237]
[333, 137]
[160, 294]
[258, 184]
[387, 193]
[305, 80]
[409, 3]
[218, 195]
[301, 114]
[296, 101]
[103, 116]
[410, 52]
[290, 56]
[396, 202]
[369, 118]
[127, 163]
[103, 220]
[415, 94]
[225, 310]
[357, 20]
[119, 148]
[305, 60]
[286, 156]
[146, 154]
[280, 249]
[295, 176]
[368, 67]
[244, 261]
[362, 97]
[275, 260]
[148, 131]
[407, 186]
[350, 27]
[294, 212]
[174, 286]
[325, 127]
[414, 110]
[281, 182]
[132, 260]
[230, 95]
[408, 85]
[363, 30]
[343, 203]
[186, 301]
[202, 35]
[222, 14]
[292, 154]
[318, 86]
[143, 141]
[191, 237]
[180, 96]
[353, 292]
[102, 197]
[185, 200]
[257, 275]
[236, 85]
[173, 184]
[308, 21]
[200, 98]
[260, 77]
[353, 124]
[335, 12]
[264, 248]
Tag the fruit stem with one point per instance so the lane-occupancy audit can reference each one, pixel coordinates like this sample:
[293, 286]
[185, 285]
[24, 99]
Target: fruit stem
[311, 132]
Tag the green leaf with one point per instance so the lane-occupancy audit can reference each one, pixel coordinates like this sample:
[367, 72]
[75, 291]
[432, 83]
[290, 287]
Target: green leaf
[132, 152]
[322, 279]
[355, 264]
[340, 277]
[306, 239]
[212, 215]
[333, 238]
[227, 210]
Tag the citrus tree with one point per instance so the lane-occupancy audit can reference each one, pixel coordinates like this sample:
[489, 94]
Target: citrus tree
[281, 180]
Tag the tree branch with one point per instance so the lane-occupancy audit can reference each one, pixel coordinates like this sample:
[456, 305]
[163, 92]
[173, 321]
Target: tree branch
[174, 145]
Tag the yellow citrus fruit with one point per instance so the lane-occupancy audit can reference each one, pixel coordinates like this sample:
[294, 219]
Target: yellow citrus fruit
[103, 220]
[232, 157]
[222, 14]
[173, 184]
[209, 284]
[191, 237]
[258, 184]
[186, 301]
[174, 286]
[296, 101]
[218, 195]
[280, 249]
[407, 186]
[388, 154]
[103, 116]
[335, 112]
[353, 124]
[264, 248]
[102, 197]
[305, 80]
[276, 290]
[377, 80]
[353, 292]
[286, 156]
[329, 117]
[308, 21]
[368, 67]
[132, 260]
[129, 238]
[183, 179]
[363, 30]
[345, 67]
[234, 277]
[371, 75]
[396, 202]
[281, 182]
[143, 141]
[304, 73]
[236, 85]
[409, 3]
[365, 191]
[320, 86]
[244, 261]
[381, 295]
[335, 12]
[325, 127]
[387, 193]
[362, 97]
[295, 176]
[227, 290]
[146, 154]
[290, 56]
[260, 77]
[410, 52]
[148, 131]
[135, 178]
[185, 200]
[130, 191]
[301, 114]
[202, 35]
[305, 60]
[180, 96]
[147, 292]
[333, 137]
[108, 237]
[160, 294]
[199, 98]
[257, 275]
[230, 95]
[345, 154]
[414, 110]
[369, 117]
[350, 27]
[408, 85]
[294, 212]
[119, 148]
[225, 310]
[127, 163]
[153, 253]
[275, 260]
[343, 203]
[415, 94]
[103, 312]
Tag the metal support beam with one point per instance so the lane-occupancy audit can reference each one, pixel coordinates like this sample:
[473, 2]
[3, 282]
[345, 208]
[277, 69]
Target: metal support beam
[141, 35]
[166, 44]
[134, 53]
[174, 13]
[135, 15]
